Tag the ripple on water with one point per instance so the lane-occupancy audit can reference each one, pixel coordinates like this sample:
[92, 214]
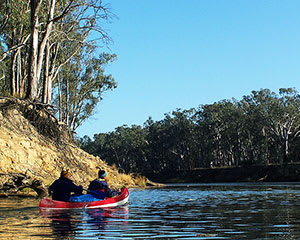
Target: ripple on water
[224, 211]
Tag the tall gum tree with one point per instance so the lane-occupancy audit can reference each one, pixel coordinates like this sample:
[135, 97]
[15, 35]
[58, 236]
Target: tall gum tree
[78, 18]
[282, 115]
[14, 38]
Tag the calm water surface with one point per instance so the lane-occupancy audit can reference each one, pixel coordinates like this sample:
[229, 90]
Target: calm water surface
[195, 211]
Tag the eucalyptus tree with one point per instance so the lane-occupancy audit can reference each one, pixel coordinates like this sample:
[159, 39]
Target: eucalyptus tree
[262, 128]
[255, 143]
[40, 37]
[171, 141]
[14, 36]
[97, 146]
[288, 122]
[231, 132]
[71, 34]
[79, 16]
[37, 31]
[180, 127]
[165, 149]
[281, 114]
[224, 130]
[204, 136]
[81, 85]
[126, 147]
[133, 148]
[157, 145]
[210, 126]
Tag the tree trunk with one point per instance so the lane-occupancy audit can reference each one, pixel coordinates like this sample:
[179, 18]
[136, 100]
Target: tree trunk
[46, 74]
[13, 89]
[286, 150]
[24, 75]
[45, 39]
[67, 102]
[49, 90]
[59, 99]
[50, 73]
[19, 72]
[33, 51]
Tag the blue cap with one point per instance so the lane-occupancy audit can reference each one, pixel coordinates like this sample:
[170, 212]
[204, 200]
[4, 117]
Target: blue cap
[101, 174]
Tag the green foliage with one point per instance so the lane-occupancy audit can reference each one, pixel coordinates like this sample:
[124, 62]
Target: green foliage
[263, 128]
[127, 145]
[83, 82]
[64, 60]
[3, 72]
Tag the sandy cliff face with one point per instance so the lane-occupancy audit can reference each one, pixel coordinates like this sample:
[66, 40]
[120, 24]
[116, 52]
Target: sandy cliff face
[34, 144]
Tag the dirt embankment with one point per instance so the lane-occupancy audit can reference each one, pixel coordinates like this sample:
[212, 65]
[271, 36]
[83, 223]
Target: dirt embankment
[35, 147]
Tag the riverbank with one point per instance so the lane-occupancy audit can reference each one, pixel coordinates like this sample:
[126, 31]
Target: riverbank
[272, 173]
[35, 147]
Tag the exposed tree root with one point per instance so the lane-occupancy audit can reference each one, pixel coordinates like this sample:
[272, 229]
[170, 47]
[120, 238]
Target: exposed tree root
[12, 183]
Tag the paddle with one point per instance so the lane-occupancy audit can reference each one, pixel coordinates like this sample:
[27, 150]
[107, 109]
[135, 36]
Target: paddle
[95, 193]
[88, 191]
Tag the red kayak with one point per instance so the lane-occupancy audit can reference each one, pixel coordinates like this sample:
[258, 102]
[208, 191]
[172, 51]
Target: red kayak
[119, 200]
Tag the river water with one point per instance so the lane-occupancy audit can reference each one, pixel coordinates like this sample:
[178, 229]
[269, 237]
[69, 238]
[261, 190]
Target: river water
[195, 211]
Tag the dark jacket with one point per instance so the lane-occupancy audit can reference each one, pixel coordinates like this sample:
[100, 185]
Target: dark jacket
[61, 189]
[97, 185]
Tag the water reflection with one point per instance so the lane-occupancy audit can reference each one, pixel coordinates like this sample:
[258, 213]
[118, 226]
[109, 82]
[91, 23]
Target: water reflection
[197, 211]
[68, 223]
[61, 223]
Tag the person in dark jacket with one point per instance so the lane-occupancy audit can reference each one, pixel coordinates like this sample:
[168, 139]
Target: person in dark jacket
[99, 186]
[62, 188]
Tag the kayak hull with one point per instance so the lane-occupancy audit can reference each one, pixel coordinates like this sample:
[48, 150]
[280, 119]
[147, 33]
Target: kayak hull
[119, 200]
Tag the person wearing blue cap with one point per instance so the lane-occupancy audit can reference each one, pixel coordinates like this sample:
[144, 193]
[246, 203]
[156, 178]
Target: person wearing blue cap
[99, 187]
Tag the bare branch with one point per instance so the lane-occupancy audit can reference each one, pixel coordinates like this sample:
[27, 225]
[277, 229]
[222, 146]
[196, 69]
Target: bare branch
[64, 12]
[5, 54]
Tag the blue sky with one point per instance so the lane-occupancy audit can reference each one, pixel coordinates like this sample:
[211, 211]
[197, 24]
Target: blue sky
[184, 53]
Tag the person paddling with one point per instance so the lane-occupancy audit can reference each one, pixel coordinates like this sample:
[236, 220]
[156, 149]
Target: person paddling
[62, 188]
[99, 187]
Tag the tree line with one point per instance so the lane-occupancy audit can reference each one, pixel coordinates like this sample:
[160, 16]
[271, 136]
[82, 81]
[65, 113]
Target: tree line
[261, 129]
[49, 54]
